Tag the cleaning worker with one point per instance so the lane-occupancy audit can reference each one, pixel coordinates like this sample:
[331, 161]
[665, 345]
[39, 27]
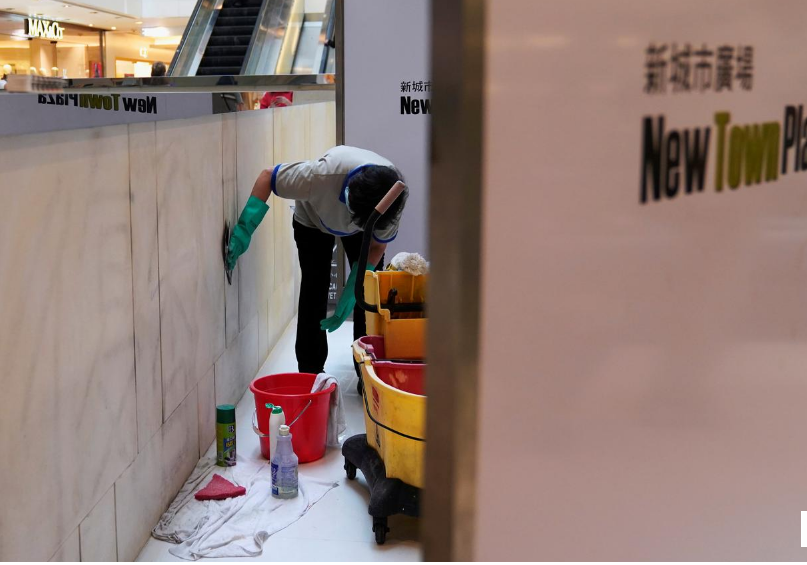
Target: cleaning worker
[334, 196]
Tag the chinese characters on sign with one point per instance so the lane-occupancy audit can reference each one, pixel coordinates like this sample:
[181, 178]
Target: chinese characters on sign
[411, 105]
[684, 68]
[416, 86]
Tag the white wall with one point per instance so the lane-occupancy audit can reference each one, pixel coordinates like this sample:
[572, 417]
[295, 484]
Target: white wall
[128, 45]
[378, 57]
[315, 6]
[167, 8]
[119, 334]
[73, 58]
[132, 7]
[642, 366]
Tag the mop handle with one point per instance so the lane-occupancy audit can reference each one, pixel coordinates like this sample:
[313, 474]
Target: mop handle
[390, 197]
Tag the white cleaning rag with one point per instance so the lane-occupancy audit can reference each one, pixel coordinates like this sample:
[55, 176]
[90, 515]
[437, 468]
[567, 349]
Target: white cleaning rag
[235, 527]
[336, 416]
[412, 263]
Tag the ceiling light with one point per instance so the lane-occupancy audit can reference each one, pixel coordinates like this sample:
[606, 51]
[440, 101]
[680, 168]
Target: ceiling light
[114, 28]
[92, 25]
[138, 23]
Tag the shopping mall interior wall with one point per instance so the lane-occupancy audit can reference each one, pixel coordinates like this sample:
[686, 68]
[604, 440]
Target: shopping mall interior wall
[17, 57]
[128, 46]
[119, 333]
[648, 358]
[43, 56]
[73, 59]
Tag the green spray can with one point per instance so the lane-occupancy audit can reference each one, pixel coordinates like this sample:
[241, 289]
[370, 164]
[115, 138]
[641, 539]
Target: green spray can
[225, 435]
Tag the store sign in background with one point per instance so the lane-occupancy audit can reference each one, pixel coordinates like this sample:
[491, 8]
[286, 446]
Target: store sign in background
[45, 29]
[388, 98]
[662, 345]
[35, 113]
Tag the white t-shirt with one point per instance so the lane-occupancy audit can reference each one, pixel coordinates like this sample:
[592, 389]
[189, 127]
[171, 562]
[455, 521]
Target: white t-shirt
[318, 187]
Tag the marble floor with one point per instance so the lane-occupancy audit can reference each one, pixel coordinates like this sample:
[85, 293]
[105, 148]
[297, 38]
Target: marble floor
[338, 527]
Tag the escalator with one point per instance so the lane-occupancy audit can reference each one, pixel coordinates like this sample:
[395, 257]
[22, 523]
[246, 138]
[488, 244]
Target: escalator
[230, 38]
[255, 37]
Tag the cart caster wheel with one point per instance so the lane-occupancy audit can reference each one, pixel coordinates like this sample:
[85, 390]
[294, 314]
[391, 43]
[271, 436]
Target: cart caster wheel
[350, 469]
[380, 528]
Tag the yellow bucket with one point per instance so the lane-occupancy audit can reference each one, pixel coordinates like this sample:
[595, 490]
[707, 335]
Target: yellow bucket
[404, 335]
[395, 414]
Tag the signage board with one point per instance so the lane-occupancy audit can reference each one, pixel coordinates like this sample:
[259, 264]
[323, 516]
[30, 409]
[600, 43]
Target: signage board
[44, 29]
[387, 103]
[644, 280]
[35, 113]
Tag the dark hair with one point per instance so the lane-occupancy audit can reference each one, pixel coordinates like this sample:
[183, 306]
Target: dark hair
[367, 188]
[158, 69]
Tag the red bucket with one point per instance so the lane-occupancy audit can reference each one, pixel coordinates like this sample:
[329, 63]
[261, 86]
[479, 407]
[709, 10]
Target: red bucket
[292, 391]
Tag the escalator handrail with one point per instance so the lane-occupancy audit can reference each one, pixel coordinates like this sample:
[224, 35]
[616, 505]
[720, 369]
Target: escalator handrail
[182, 49]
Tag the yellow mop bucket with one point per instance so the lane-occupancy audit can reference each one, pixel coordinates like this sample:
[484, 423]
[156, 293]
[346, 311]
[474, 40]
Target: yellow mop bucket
[394, 411]
[390, 292]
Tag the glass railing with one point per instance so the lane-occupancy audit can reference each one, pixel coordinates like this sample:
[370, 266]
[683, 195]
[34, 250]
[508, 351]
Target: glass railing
[275, 39]
[194, 40]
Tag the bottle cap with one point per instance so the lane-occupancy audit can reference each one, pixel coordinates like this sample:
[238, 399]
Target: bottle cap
[225, 414]
[270, 406]
[284, 430]
[277, 410]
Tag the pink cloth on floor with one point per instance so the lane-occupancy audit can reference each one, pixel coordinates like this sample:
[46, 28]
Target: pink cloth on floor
[219, 488]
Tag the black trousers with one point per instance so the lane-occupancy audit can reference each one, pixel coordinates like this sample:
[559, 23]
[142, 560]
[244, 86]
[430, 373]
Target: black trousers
[315, 249]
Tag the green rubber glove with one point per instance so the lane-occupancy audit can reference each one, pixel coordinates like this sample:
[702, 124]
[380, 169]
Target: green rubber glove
[346, 303]
[250, 218]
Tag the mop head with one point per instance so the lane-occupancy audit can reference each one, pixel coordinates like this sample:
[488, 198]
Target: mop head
[412, 263]
[220, 488]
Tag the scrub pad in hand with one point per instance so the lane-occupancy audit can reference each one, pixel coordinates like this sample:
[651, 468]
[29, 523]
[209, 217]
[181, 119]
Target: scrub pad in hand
[219, 488]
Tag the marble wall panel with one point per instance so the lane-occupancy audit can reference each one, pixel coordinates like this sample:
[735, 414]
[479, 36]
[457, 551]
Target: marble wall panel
[146, 279]
[66, 339]
[256, 266]
[97, 531]
[190, 200]
[238, 365]
[206, 393]
[70, 550]
[148, 486]
[322, 128]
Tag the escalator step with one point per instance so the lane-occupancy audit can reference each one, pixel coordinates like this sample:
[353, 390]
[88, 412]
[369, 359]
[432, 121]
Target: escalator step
[221, 61]
[232, 30]
[218, 71]
[242, 3]
[238, 12]
[226, 51]
[235, 21]
[241, 41]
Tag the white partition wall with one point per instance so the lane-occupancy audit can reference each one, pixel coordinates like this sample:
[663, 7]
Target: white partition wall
[646, 353]
[387, 97]
[643, 312]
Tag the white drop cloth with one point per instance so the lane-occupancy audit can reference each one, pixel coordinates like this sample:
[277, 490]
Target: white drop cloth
[235, 527]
